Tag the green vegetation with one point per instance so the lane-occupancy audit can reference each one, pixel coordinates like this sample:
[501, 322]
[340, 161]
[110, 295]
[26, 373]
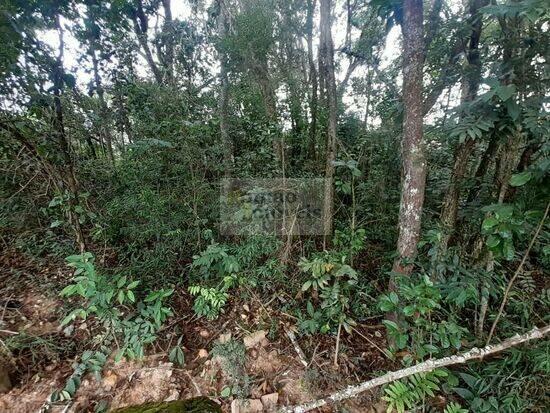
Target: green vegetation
[428, 121]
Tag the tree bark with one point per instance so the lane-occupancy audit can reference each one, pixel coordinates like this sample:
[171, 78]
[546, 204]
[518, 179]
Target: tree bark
[67, 175]
[413, 158]
[104, 128]
[139, 20]
[223, 103]
[464, 150]
[483, 167]
[326, 66]
[312, 79]
[168, 29]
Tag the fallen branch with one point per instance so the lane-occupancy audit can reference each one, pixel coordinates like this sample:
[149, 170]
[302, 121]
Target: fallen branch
[297, 347]
[426, 366]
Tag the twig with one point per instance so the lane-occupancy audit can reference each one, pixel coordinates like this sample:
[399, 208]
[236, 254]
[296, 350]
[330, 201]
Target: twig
[371, 342]
[9, 332]
[298, 349]
[194, 383]
[337, 350]
[513, 279]
[426, 366]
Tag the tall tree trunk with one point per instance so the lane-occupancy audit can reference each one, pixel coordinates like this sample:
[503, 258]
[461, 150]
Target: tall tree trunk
[223, 104]
[367, 104]
[413, 158]
[140, 22]
[67, 175]
[326, 66]
[104, 127]
[464, 150]
[312, 79]
[483, 167]
[168, 29]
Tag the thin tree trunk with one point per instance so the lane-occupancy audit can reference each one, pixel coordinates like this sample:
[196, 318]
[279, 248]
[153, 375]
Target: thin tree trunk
[312, 79]
[168, 58]
[367, 105]
[326, 65]
[105, 132]
[223, 104]
[68, 175]
[413, 158]
[483, 167]
[139, 20]
[465, 149]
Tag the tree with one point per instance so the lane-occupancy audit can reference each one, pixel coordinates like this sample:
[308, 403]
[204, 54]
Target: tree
[412, 153]
[470, 86]
[326, 68]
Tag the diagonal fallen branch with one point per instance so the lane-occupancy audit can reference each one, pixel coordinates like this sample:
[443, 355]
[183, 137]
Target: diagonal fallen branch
[297, 347]
[429, 365]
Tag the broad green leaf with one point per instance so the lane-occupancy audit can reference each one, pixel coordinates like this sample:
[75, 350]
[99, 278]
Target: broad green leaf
[521, 178]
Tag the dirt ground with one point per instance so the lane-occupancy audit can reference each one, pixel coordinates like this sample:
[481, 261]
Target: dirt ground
[29, 311]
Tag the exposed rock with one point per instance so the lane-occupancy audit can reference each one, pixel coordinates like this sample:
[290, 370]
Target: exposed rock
[203, 353]
[174, 395]
[254, 338]
[269, 401]
[224, 338]
[145, 385]
[247, 406]
[110, 380]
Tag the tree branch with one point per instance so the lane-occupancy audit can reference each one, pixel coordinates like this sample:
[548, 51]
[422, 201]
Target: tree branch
[426, 366]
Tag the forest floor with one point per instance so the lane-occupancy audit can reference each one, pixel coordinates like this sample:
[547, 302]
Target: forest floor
[45, 353]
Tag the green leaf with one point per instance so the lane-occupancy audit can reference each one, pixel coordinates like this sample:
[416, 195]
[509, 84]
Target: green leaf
[56, 223]
[391, 325]
[121, 281]
[226, 392]
[492, 241]
[120, 296]
[508, 250]
[505, 92]
[489, 223]
[513, 109]
[133, 285]
[521, 178]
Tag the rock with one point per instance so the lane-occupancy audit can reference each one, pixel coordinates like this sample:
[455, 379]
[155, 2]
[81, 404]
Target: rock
[204, 334]
[247, 406]
[224, 338]
[203, 353]
[5, 382]
[195, 405]
[269, 401]
[254, 339]
[110, 380]
[174, 395]
[68, 331]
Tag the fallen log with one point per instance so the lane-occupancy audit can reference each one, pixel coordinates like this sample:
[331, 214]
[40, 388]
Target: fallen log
[426, 366]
